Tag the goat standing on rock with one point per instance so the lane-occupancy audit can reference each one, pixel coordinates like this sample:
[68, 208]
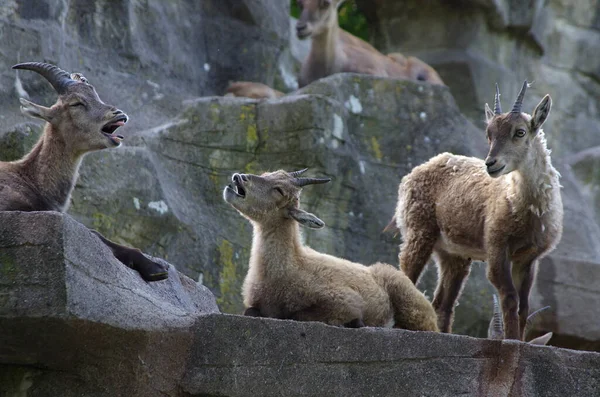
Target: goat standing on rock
[288, 280]
[78, 123]
[506, 209]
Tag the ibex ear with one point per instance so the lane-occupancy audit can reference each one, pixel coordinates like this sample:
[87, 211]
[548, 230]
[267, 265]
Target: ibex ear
[541, 340]
[541, 112]
[32, 110]
[306, 219]
[489, 114]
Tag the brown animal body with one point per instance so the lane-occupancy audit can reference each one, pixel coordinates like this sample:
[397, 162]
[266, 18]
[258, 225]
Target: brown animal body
[289, 280]
[334, 50]
[506, 210]
[78, 123]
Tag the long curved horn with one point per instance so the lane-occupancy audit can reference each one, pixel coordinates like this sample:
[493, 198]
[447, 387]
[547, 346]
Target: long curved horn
[59, 79]
[532, 317]
[519, 102]
[298, 173]
[310, 181]
[496, 328]
[497, 106]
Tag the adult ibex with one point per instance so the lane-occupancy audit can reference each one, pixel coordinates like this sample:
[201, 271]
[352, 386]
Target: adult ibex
[78, 123]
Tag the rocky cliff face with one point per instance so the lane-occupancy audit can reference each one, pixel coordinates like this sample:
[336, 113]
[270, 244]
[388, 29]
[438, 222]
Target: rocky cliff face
[162, 191]
[75, 322]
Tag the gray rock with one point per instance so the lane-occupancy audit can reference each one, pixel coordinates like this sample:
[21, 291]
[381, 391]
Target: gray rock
[477, 43]
[145, 57]
[53, 266]
[17, 141]
[283, 358]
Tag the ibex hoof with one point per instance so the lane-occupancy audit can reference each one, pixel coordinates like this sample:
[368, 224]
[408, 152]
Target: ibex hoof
[356, 323]
[252, 312]
[153, 271]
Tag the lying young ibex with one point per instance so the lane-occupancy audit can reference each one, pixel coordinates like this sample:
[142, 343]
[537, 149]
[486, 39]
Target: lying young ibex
[496, 327]
[504, 210]
[333, 50]
[78, 123]
[289, 280]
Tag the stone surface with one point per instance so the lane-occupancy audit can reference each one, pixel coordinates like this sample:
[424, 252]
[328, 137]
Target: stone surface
[74, 321]
[476, 43]
[54, 267]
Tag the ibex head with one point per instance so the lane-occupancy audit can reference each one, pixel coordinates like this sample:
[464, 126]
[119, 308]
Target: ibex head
[316, 16]
[271, 197]
[79, 116]
[510, 134]
[496, 327]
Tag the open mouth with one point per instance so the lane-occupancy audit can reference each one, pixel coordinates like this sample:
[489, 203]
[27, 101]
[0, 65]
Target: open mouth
[237, 188]
[110, 128]
[496, 171]
[303, 35]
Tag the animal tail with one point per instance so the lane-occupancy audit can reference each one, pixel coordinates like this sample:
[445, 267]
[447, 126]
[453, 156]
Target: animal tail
[411, 308]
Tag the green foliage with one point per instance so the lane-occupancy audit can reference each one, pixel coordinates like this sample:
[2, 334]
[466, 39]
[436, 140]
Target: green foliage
[350, 18]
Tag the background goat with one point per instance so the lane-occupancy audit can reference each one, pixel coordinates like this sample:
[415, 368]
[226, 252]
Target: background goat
[506, 209]
[333, 50]
[496, 327]
[78, 123]
[289, 280]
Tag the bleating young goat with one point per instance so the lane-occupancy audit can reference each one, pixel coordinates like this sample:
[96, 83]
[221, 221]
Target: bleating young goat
[496, 327]
[78, 123]
[504, 210]
[289, 280]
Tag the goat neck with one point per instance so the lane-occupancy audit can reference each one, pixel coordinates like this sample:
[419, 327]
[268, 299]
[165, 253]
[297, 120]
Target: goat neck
[533, 184]
[274, 247]
[51, 167]
[326, 49]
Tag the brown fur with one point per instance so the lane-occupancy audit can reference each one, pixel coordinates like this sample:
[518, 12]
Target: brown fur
[248, 89]
[334, 50]
[287, 279]
[451, 207]
[44, 178]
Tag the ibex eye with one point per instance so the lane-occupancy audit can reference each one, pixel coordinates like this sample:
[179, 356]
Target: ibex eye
[279, 190]
[520, 133]
[77, 104]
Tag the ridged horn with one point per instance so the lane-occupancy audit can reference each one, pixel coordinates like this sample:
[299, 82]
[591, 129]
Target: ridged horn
[519, 102]
[496, 328]
[298, 173]
[497, 106]
[532, 317]
[59, 79]
[310, 181]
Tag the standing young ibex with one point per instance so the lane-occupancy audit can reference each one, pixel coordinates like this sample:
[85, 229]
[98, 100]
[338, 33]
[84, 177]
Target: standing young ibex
[334, 50]
[78, 123]
[496, 327]
[504, 210]
[289, 280]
